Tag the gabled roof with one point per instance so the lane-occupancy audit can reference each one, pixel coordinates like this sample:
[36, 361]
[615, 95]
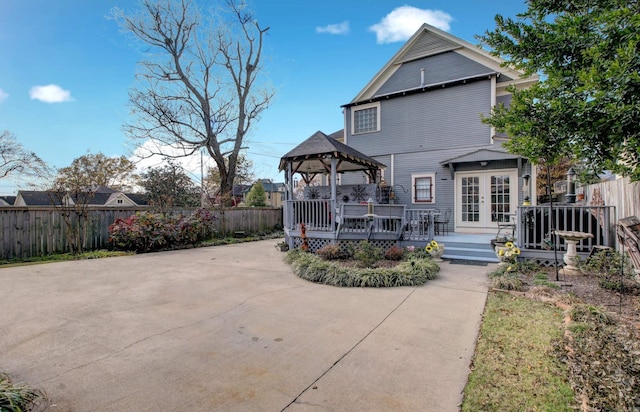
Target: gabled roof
[269, 186]
[429, 41]
[40, 198]
[140, 199]
[312, 156]
[7, 200]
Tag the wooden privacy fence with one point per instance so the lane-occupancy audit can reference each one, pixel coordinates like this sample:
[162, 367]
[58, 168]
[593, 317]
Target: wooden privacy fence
[27, 232]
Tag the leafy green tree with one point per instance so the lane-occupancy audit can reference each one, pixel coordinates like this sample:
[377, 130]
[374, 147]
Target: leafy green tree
[169, 187]
[256, 196]
[91, 170]
[587, 105]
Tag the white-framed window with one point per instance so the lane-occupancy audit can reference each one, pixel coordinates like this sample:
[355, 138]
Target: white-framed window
[365, 118]
[423, 188]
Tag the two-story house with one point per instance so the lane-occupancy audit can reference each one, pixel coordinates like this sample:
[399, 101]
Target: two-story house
[421, 117]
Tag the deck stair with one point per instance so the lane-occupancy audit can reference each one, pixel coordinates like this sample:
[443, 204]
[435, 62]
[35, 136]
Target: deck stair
[468, 247]
[469, 251]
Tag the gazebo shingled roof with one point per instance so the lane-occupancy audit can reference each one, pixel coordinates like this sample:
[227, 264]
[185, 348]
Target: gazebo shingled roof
[312, 155]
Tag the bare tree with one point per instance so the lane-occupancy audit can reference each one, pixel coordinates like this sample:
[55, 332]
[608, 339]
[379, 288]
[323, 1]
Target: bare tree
[16, 161]
[199, 88]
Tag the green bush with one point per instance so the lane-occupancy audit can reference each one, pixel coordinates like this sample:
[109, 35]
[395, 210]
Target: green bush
[411, 272]
[17, 398]
[367, 254]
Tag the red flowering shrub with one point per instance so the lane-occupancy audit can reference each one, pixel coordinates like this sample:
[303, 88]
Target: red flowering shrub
[394, 253]
[145, 232]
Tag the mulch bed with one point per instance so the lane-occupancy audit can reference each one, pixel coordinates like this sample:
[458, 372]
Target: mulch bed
[587, 289]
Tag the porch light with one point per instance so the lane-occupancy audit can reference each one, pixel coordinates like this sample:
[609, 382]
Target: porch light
[571, 185]
[525, 189]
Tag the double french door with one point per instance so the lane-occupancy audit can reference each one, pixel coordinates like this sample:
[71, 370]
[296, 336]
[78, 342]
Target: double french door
[483, 199]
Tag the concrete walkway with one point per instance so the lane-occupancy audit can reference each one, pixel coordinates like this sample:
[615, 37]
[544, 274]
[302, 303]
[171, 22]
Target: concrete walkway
[230, 328]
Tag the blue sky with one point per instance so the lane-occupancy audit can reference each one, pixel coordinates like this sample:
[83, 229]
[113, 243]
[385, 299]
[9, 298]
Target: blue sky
[65, 68]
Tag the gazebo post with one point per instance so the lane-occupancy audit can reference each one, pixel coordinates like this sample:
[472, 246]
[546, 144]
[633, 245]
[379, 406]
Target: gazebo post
[334, 177]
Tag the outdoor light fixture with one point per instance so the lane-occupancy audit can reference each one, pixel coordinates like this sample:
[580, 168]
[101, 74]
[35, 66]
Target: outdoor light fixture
[525, 189]
[571, 185]
[370, 208]
[483, 164]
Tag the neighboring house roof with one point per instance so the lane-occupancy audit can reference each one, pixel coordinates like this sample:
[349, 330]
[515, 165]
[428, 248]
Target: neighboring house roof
[140, 199]
[7, 200]
[339, 135]
[269, 186]
[38, 198]
[311, 156]
[102, 198]
[430, 41]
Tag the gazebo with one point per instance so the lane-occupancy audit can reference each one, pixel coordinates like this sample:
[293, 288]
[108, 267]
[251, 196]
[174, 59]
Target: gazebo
[336, 213]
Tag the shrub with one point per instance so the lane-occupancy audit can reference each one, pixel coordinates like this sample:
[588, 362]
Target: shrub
[311, 267]
[613, 269]
[15, 398]
[367, 254]
[145, 231]
[329, 252]
[506, 278]
[542, 279]
[394, 253]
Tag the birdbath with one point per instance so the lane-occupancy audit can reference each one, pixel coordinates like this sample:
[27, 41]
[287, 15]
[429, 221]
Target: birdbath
[571, 255]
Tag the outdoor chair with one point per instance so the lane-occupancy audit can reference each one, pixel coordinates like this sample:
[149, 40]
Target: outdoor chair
[441, 222]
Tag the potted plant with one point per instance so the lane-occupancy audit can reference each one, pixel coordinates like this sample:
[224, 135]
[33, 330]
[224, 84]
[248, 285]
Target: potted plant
[282, 246]
[436, 250]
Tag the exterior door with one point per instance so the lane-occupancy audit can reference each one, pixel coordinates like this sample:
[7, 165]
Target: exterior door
[485, 198]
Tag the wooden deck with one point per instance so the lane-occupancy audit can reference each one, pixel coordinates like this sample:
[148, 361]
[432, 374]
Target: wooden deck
[388, 225]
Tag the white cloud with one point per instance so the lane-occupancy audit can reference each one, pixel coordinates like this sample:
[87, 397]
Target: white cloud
[403, 22]
[50, 94]
[341, 28]
[3, 95]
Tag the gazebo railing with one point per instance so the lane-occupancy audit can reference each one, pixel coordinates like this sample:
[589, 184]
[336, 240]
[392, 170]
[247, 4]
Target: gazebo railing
[316, 214]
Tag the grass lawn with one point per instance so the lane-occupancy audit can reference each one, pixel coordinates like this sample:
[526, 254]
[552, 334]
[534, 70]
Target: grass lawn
[515, 367]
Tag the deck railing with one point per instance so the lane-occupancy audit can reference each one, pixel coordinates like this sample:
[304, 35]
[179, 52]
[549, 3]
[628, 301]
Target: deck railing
[419, 224]
[535, 225]
[384, 219]
[317, 215]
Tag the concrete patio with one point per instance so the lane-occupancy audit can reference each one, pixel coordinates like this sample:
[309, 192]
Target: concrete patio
[230, 328]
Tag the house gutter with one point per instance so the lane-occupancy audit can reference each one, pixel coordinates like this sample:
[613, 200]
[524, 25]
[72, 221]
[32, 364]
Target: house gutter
[424, 88]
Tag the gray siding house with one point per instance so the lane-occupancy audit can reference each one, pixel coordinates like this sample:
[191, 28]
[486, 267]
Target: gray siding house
[421, 117]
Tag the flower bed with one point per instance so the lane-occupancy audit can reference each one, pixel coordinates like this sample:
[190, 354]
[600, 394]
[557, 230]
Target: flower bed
[413, 271]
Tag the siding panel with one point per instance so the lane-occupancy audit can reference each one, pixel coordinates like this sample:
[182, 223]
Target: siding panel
[439, 68]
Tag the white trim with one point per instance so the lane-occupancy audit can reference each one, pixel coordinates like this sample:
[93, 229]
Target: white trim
[415, 176]
[485, 223]
[354, 109]
[492, 131]
[344, 132]
[392, 174]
